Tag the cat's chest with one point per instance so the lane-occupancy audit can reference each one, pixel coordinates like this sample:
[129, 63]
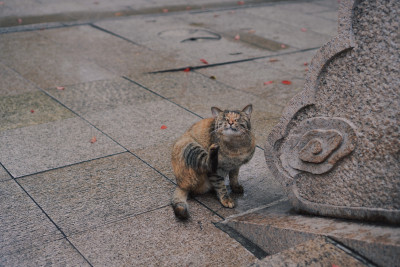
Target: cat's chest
[230, 160]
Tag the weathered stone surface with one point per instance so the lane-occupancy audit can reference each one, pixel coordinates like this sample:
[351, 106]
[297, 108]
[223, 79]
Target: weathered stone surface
[316, 252]
[352, 79]
[277, 228]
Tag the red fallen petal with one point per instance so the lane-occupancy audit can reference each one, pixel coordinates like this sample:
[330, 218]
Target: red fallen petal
[32, 111]
[165, 10]
[186, 70]
[269, 82]
[19, 21]
[303, 29]
[240, 3]
[118, 14]
[305, 63]
[60, 87]
[237, 37]
[286, 82]
[204, 61]
[163, 127]
[273, 60]
[283, 46]
[306, 69]
[334, 265]
[93, 140]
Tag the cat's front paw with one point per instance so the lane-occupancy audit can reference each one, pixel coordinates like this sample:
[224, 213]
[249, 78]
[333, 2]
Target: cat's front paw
[238, 189]
[227, 202]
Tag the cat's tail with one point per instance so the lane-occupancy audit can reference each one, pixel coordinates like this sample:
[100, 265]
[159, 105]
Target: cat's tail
[179, 203]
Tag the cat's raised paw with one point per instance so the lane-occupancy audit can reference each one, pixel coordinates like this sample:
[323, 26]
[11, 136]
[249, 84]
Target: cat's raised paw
[228, 202]
[214, 147]
[238, 189]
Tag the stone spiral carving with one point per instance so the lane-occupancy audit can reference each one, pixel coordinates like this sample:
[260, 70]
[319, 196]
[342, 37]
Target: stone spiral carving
[317, 144]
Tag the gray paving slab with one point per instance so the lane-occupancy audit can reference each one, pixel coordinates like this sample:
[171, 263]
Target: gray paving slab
[296, 64]
[260, 78]
[4, 175]
[317, 252]
[102, 95]
[329, 4]
[87, 195]
[46, 146]
[47, 64]
[11, 83]
[260, 188]
[167, 34]
[297, 16]
[328, 15]
[55, 253]
[23, 8]
[30, 109]
[258, 22]
[23, 224]
[159, 157]
[157, 238]
[125, 58]
[176, 85]
[139, 126]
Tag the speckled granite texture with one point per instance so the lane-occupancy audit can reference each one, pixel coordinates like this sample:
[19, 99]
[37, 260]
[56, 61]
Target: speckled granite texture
[354, 78]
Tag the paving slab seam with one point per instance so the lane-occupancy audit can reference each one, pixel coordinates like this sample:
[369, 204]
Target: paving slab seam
[163, 97]
[232, 62]
[115, 34]
[40, 26]
[246, 243]
[53, 222]
[350, 252]
[68, 165]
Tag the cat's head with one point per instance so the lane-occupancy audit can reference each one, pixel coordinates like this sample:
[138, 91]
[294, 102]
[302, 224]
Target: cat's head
[232, 122]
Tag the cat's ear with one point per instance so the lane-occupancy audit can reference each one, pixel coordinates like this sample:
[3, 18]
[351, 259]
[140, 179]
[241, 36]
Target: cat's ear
[215, 111]
[248, 110]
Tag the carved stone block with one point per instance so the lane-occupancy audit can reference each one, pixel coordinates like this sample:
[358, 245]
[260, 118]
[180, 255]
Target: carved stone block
[336, 149]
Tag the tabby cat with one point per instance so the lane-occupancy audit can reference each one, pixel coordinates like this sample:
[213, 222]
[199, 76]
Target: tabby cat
[210, 150]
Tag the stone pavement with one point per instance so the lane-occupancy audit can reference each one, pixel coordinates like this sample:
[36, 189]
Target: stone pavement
[85, 88]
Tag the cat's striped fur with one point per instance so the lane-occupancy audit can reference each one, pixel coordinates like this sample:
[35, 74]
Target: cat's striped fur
[209, 151]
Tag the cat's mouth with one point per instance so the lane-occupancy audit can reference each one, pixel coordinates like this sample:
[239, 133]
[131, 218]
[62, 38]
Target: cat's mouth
[230, 131]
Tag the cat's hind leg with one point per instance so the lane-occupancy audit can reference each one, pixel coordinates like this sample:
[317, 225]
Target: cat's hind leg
[179, 203]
